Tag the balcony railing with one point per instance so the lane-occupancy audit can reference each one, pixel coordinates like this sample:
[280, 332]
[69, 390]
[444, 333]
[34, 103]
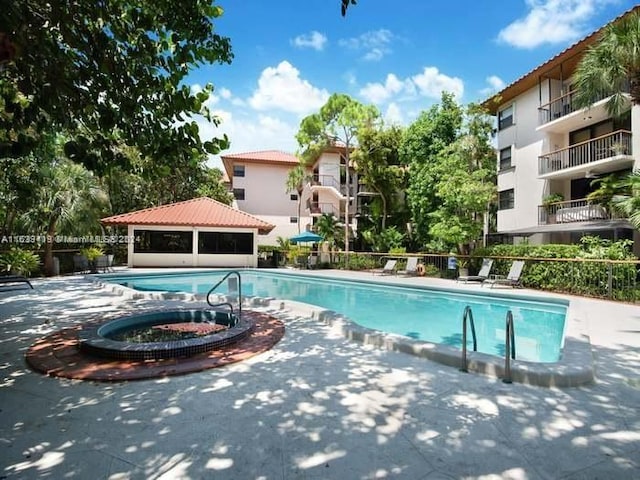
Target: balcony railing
[564, 105]
[557, 108]
[584, 153]
[571, 211]
[317, 208]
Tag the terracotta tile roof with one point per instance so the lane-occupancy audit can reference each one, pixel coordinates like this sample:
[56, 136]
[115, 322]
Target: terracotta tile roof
[267, 156]
[275, 157]
[198, 212]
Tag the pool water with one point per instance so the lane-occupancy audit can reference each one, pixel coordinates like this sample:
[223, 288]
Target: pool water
[419, 313]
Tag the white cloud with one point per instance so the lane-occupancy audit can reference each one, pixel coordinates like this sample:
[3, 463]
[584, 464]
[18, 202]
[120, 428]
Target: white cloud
[431, 83]
[374, 44]
[225, 93]
[282, 88]
[379, 92]
[314, 39]
[250, 133]
[551, 22]
[393, 115]
[495, 85]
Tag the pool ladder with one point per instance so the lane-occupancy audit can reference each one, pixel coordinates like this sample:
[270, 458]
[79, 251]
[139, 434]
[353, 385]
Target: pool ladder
[228, 304]
[510, 344]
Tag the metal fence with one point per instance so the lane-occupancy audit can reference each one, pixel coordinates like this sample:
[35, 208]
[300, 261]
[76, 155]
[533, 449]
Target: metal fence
[610, 279]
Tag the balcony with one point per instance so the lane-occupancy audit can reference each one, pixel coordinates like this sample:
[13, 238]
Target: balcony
[317, 209]
[327, 182]
[572, 211]
[600, 155]
[561, 115]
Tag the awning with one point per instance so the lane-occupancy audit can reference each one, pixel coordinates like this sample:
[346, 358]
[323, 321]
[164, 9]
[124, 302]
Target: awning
[571, 227]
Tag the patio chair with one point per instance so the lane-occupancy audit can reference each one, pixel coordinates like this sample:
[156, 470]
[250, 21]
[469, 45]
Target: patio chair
[12, 280]
[482, 275]
[511, 280]
[411, 268]
[312, 262]
[388, 269]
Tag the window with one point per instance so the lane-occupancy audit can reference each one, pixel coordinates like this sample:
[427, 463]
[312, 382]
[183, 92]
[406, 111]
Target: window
[505, 117]
[225, 243]
[505, 158]
[158, 241]
[238, 193]
[293, 219]
[505, 199]
[294, 196]
[238, 170]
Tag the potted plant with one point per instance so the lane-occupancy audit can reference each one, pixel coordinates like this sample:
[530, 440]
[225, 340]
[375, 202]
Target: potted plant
[17, 261]
[92, 253]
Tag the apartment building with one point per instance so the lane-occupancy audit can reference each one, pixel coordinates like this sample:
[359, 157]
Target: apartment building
[258, 181]
[550, 152]
[333, 187]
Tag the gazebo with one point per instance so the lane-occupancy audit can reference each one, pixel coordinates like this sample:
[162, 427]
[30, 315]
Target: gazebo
[195, 233]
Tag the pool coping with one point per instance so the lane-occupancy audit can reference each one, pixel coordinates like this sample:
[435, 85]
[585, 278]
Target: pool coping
[575, 367]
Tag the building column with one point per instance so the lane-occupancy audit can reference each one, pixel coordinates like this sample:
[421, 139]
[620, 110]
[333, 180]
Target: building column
[194, 249]
[130, 244]
[635, 135]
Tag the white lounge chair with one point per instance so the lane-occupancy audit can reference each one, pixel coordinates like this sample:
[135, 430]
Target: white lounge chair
[388, 269]
[482, 275]
[411, 267]
[511, 280]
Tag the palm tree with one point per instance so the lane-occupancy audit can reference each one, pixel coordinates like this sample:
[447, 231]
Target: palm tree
[610, 65]
[628, 201]
[69, 200]
[296, 180]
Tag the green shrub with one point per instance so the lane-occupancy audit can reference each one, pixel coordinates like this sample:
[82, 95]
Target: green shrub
[19, 261]
[431, 271]
[590, 277]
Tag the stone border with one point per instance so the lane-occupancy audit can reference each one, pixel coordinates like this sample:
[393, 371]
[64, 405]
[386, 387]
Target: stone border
[575, 368]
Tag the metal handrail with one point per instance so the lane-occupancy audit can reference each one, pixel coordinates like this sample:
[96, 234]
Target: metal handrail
[510, 344]
[212, 305]
[468, 314]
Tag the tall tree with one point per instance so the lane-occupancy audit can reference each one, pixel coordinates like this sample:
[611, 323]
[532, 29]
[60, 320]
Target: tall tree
[338, 121]
[107, 66]
[465, 173]
[424, 140]
[296, 180]
[610, 65]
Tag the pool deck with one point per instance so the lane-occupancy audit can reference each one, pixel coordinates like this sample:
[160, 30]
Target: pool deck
[316, 406]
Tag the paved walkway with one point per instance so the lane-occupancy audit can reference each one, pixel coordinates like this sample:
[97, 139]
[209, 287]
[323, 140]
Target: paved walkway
[316, 406]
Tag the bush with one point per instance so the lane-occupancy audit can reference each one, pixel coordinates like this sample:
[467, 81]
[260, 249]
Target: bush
[592, 278]
[19, 261]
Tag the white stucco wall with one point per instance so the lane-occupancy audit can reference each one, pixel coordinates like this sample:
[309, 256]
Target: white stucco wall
[135, 259]
[527, 146]
[266, 192]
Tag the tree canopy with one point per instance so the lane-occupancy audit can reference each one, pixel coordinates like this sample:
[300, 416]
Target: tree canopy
[107, 72]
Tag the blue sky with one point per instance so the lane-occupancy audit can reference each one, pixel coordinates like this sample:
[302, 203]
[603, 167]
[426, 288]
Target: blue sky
[290, 55]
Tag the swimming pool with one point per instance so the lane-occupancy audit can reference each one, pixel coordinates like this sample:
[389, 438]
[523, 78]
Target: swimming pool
[419, 313]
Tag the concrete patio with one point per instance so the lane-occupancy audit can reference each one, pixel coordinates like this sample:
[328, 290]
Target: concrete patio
[316, 406]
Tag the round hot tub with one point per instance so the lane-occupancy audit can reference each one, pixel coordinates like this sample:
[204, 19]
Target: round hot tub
[163, 334]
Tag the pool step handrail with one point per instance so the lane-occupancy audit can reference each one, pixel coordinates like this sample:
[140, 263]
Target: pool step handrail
[467, 316]
[228, 304]
[510, 347]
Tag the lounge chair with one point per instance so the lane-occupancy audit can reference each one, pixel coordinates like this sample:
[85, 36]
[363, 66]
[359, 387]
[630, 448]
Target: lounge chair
[8, 280]
[388, 269]
[411, 267]
[482, 275]
[511, 280]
